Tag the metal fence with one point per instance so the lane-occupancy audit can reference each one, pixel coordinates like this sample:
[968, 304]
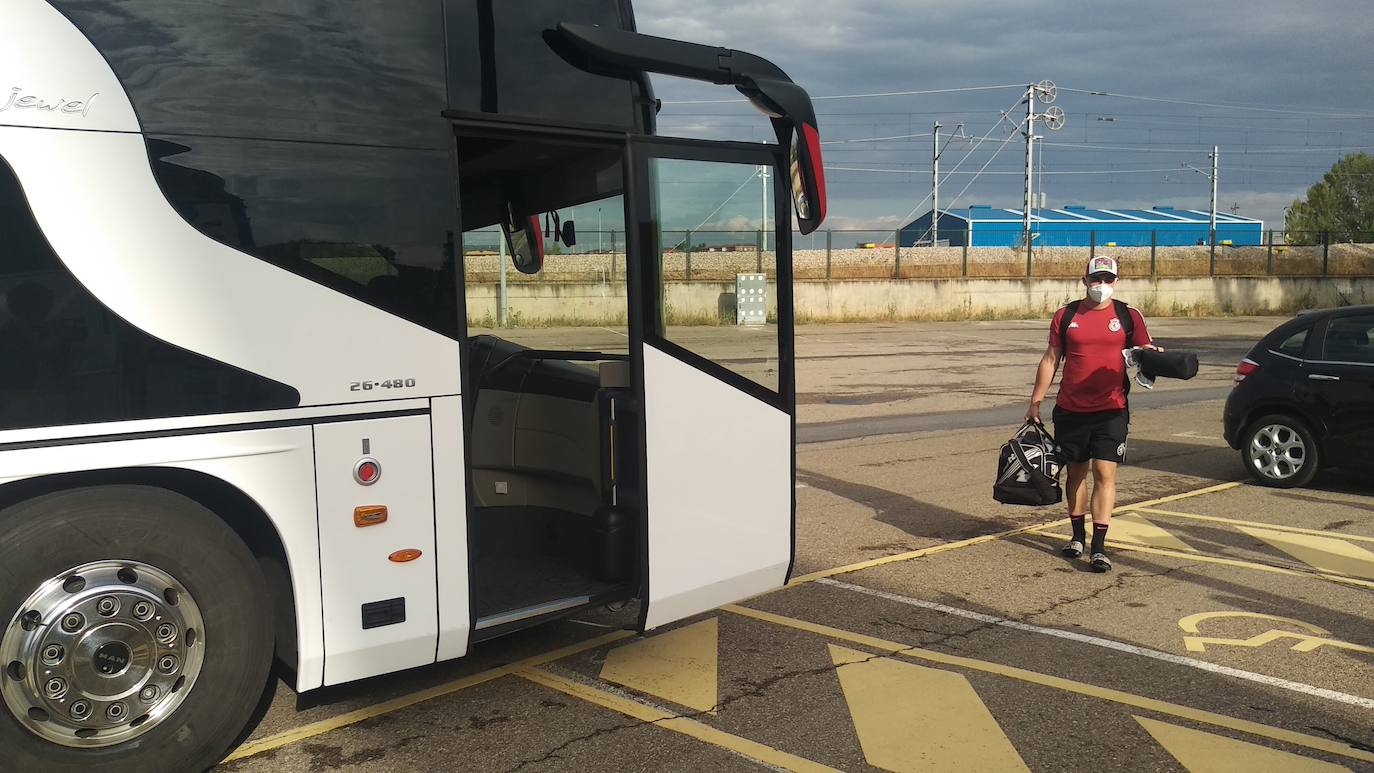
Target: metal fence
[850, 254]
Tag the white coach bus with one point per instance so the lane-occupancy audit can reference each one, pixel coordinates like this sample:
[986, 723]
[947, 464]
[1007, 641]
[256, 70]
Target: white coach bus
[243, 416]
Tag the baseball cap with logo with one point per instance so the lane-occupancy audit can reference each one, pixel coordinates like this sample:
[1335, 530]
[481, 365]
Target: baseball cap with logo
[1102, 264]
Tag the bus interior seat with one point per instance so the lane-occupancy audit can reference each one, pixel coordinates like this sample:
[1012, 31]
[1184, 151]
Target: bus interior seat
[538, 473]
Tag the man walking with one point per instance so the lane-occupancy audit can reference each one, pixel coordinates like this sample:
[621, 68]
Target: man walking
[1091, 415]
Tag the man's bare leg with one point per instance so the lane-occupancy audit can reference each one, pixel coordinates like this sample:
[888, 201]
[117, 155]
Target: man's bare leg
[1076, 487]
[1103, 501]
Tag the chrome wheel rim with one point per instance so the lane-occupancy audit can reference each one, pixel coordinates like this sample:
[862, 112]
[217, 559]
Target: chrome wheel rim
[1277, 452]
[101, 654]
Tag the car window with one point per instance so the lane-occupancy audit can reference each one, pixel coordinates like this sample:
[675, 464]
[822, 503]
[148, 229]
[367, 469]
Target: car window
[1294, 344]
[1350, 339]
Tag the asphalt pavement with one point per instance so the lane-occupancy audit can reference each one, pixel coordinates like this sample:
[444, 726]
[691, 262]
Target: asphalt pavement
[928, 627]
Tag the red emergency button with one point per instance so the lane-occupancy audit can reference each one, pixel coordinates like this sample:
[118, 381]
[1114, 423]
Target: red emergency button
[367, 471]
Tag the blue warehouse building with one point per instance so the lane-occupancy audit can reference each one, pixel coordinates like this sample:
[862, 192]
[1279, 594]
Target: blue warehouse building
[1074, 226]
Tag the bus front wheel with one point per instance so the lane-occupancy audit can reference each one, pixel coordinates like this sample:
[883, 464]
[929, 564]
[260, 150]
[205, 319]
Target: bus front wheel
[138, 633]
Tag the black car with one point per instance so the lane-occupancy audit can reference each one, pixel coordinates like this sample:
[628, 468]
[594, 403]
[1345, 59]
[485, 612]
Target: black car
[1304, 398]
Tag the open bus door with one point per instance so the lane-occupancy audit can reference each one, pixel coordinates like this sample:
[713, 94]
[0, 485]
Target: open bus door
[719, 399]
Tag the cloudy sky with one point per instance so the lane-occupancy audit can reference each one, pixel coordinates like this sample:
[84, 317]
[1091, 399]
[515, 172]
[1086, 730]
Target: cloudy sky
[1283, 88]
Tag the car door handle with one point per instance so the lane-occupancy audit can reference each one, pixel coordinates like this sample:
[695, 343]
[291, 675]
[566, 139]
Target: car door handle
[1322, 377]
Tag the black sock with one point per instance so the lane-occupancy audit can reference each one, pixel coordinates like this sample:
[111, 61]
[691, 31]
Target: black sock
[1099, 537]
[1076, 521]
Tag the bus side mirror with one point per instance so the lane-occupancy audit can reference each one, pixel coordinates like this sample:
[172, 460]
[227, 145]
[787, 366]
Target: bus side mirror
[569, 233]
[526, 244]
[808, 178]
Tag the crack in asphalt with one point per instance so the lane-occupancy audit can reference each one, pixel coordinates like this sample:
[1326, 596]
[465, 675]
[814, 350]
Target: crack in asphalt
[1354, 744]
[755, 689]
[552, 754]
[1117, 583]
[941, 636]
[944, 637]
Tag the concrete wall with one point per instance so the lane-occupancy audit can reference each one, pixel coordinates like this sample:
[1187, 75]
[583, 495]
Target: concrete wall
[557, 303]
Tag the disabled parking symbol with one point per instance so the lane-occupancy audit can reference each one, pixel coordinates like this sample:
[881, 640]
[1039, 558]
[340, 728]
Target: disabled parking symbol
[1309, 639]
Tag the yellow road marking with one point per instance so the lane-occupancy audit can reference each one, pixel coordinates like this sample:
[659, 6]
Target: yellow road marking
[1202, 752]
[918, 553]
[1070, 685]
[1192, 623]
[916, 718]
[1199, 557]
[1306, 641]
[1185, 495]
[1238, 522]
[660, 718]
[1131, 527]
[988, 537]
[1328, 554]
[353, 717]
[679, 665]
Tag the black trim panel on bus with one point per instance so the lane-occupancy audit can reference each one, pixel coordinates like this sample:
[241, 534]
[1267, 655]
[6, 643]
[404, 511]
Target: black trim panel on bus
[635, 202]
[509, 123]
[305, 421]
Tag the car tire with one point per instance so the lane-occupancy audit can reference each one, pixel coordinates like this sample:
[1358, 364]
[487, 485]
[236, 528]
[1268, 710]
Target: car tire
[1279, 451]
[161, 565]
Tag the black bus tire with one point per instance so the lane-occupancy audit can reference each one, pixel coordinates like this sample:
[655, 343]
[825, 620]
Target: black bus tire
[46, 537]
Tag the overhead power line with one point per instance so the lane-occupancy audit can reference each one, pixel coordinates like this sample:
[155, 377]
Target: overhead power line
[1222, 105]
[829, 168]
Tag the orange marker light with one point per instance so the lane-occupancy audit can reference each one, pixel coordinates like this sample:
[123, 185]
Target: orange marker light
[369, 515]
[404, 556]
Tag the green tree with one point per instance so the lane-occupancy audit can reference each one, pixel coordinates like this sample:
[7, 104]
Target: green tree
[1342, 204]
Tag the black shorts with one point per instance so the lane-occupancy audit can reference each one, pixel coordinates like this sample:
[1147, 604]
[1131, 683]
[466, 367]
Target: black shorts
[1085, 436]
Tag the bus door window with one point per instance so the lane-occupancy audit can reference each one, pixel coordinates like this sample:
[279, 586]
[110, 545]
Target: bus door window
[717, 221]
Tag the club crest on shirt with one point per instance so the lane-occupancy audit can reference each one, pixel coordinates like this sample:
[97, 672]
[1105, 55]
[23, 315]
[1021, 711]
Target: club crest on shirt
[1114, 326]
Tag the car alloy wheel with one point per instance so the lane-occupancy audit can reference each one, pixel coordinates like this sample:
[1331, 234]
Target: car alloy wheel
[1277, 451]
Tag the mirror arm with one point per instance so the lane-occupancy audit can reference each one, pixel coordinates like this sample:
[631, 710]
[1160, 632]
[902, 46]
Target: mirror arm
[764, 83]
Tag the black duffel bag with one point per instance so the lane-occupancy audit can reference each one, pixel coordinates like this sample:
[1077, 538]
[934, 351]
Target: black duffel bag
[1028, 469]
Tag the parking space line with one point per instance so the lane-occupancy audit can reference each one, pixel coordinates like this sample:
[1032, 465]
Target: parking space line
[1239, 522]
[1326, 554]
[1262, 567]
[1069, 685]
[918, 553]
[1184, 495]
[846, 569]
[660, 718]
[888, 697]
[386, 707]
[1178, 660]
[1201, 752]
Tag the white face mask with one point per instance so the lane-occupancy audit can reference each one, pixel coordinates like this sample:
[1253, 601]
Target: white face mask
[1099, 293]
